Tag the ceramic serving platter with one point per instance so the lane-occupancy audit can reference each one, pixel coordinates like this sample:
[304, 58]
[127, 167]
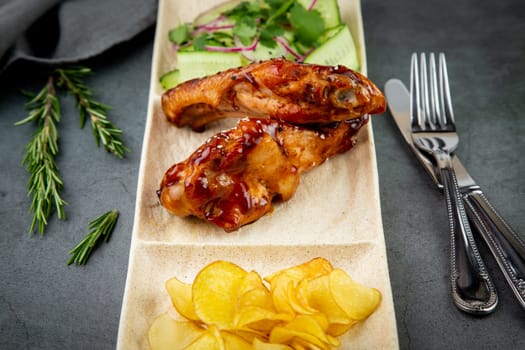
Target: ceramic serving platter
[334, 214]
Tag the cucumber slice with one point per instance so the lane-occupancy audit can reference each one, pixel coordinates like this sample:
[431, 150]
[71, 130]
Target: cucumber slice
[262, 52]
[339, 49]
[198, 64]
[329, 10]
[170, 79]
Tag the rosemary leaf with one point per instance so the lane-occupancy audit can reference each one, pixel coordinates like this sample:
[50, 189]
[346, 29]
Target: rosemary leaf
[44, 184]
[104, 131]
[100, 227]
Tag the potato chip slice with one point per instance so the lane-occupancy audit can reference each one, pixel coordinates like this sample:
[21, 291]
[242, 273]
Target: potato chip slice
[251, 281]
[247, 335]
[260, 345]
[320, 298]
[310, 269]
[298, 344]
[282, 289]
[206, 341]
[337, 329]
[252, 292]
[258, 320]
[256, 297]
[286, 298]
[301, 294]
[297, 298]
[232, 341]
[283, 285]
[215, 291]
[165, 333]
[303, 329]
[356, 300]
[181, 298]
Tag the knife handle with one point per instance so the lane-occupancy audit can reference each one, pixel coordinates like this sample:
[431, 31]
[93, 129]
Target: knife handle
[506, 246]
[472, 288]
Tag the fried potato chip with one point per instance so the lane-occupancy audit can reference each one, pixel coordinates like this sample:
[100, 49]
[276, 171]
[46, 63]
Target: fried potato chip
[256, 297]
[252, 292]
[305, 307]
[283, 285]
[233, 341]
[258, 320]
[303, 329]
[165, 333]
[288, 296]
[314, 325]
[356, 300]
[310, 269]
[215, 291]
[279, 293]
[248, 336]
[252, 280]
[301, 294]
[260, 345]
[320, 297]
[337, 329]
[297, 344]
[297, 298]
[207, 341]
[181, 298]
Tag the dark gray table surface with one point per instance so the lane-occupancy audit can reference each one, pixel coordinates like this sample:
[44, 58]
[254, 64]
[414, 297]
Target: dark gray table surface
[45, 304]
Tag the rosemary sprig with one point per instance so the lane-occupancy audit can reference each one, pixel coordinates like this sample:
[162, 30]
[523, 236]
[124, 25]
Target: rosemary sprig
[101, 226]
[103, 129]
[45, 183]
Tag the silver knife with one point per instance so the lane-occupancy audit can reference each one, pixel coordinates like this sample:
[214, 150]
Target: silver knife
[506, 246]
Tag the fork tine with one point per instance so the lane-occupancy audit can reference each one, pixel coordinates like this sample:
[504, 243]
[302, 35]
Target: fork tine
[415, 111]
[423, 86]
[435, 111]
[446, 101]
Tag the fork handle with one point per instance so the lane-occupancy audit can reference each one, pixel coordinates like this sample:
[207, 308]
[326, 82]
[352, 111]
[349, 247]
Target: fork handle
[472, 288]
[506, 246]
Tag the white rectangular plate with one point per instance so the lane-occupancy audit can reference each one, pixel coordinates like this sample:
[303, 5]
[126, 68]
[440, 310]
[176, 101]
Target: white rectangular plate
[335, 213]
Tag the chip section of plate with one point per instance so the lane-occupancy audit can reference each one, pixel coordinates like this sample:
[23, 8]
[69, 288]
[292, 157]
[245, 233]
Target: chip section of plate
[334, 214]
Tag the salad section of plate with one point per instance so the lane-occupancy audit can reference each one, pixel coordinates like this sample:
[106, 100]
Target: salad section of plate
[334, 214]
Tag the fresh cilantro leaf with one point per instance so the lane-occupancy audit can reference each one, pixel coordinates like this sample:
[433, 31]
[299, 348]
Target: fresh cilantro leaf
[275, 4]
[243, 10]
[245, 29]
[278, 15]
[268, 33]
[267, 40]
[199, 43]
[308, 25]
[179, 35]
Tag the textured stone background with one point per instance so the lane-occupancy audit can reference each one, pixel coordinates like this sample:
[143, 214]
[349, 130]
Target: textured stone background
[46, 305]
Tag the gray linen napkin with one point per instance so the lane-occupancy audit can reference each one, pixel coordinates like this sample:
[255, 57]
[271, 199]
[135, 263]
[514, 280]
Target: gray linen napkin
[55, 32]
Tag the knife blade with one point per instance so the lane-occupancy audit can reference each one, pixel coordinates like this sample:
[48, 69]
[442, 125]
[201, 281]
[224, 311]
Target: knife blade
[504, 243]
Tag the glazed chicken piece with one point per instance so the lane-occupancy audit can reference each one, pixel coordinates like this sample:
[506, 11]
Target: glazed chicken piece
[297, 93]
[232, 179]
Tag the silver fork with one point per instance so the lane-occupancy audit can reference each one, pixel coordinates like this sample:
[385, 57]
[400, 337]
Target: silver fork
[434, 132]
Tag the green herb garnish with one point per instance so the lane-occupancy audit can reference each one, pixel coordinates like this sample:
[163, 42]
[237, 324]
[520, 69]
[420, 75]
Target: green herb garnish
[103, 130]
[45, 183]
[100, 227]
[242, 28]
